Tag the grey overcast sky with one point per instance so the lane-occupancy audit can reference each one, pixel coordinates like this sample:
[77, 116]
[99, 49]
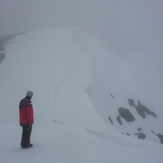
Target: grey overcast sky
[125, 25]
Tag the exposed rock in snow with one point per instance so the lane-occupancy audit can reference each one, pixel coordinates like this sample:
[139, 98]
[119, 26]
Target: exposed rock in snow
[142, 110]
[3, 41]
[160, 137]
[119, 120]
[140, 135]
[126, 114]
[110, 120]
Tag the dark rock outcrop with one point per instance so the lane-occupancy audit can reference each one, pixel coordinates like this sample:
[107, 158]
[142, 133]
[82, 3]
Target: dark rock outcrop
[141, 109]
[126, 114]
[110, 120]
[119, 120]
[141, 135]
[3, 40]
[112, 96]
[131, 102]
[160, 137]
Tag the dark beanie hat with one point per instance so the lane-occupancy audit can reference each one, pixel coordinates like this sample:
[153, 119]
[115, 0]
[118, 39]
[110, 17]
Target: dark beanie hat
[29, 94]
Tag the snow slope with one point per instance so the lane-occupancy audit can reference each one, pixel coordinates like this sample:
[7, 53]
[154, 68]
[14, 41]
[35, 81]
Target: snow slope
[55, 66]
[118, 78]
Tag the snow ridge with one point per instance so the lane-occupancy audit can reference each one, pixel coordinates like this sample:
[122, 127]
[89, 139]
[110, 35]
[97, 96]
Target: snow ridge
[53, 64]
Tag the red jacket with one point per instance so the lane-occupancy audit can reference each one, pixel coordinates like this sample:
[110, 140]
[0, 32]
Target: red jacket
[26, 112]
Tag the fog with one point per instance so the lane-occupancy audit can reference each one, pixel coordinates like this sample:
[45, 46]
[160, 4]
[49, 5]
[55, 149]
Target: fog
[127, 27]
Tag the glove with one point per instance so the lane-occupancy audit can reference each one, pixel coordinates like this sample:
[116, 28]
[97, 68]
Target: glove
[29, 126]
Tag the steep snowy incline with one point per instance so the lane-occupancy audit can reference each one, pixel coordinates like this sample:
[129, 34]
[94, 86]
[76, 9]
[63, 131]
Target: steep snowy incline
[130, 82]
[67, 127]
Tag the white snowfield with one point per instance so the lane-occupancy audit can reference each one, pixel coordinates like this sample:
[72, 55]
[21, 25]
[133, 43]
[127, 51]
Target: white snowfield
[67, 128]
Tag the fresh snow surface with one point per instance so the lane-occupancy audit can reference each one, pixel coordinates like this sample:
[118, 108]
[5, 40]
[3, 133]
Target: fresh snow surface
[117, 77]
[54, 65]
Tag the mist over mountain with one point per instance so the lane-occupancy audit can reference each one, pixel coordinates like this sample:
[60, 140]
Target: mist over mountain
[124, 93]
[97, 79]
[129, 27]
[96, 69]
[90, 104]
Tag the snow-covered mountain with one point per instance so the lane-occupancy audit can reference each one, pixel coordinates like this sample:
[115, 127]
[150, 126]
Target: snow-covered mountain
[126, 89]
[85, 97]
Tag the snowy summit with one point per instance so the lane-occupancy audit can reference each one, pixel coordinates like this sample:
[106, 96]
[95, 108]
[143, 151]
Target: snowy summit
[90, 104]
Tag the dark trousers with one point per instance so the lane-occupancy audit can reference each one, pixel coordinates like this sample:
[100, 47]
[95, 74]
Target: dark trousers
[26, 134]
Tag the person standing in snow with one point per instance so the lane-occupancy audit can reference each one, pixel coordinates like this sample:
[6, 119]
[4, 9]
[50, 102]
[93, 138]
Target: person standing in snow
[26, 119]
